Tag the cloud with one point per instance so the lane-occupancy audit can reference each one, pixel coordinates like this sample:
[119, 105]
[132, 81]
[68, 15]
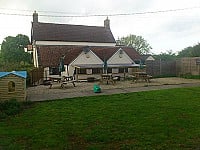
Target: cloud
[172, 30]
[183, 24]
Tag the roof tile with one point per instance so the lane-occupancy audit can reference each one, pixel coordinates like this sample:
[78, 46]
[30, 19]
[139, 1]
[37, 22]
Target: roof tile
[49, 55]
[71, 33]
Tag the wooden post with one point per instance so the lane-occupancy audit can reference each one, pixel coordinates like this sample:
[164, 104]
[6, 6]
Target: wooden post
[76, 78]
[199, 70]
[160, 67]
[124, 73]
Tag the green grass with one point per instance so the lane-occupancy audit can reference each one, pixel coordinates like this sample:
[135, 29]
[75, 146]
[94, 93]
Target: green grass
[165, 119]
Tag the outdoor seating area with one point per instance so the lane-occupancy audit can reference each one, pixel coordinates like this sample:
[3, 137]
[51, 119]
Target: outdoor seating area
[64, 80]
[108, 78]
[142, 76]
[40, 92]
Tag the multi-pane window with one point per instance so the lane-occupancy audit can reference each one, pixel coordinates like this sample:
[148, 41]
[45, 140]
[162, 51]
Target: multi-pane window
[96, 70]
[122, 70]
[82, 71]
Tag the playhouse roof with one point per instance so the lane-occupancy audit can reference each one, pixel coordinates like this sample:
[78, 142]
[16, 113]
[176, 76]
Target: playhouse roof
[22, 74]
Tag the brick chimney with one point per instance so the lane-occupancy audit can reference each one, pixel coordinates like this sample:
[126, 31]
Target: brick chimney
[107, 23]
[35, 17]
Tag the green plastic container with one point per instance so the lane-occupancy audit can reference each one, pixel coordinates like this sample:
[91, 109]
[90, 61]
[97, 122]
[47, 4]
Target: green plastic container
[97, 88]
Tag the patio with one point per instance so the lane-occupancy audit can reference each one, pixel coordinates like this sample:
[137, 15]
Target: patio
[41, 92]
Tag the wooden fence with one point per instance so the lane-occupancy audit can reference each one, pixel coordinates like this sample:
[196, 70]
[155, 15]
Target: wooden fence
[188, 65]
[36, 76]
[161, 68]
[182, 66]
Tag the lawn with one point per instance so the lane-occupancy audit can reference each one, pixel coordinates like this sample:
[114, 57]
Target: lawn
[164, 119]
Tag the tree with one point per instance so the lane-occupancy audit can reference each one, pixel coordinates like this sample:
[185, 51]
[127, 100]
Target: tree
[191, 51]
[12, 49]
[186, 52]
[196, 50]
[169, 55]
[137, 42]
[1, 61]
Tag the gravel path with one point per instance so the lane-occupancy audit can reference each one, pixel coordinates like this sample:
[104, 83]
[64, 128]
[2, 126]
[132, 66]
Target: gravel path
[42, 93]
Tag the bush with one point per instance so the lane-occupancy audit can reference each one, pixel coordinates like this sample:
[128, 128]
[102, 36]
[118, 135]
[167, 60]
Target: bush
[9, 108]
[2, 115]
[164, 76]
[190, 76]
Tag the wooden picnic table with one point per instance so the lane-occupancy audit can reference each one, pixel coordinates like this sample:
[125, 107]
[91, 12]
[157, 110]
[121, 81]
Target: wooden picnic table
[66, 80]
[55, 79]
[62, 80]
[107, 78]
[51, 80]
[141, 76]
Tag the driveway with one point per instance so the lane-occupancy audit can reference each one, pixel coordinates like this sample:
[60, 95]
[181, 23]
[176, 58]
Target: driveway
[42, 93]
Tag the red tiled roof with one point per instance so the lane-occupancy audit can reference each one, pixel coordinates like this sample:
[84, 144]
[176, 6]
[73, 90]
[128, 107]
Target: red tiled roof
[107, 52]
[49, 55]
[104, 53]
[132, 53]
[70, 33]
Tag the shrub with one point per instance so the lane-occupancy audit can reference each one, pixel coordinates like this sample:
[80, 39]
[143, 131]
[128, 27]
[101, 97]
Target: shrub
[164, 76]
[190, 76]
[9, 107]
[2, 115]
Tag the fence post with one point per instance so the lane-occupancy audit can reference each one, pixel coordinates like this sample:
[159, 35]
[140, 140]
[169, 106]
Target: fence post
[160, 68]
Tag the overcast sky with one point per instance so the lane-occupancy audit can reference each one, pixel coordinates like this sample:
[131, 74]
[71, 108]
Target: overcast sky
[173, 30]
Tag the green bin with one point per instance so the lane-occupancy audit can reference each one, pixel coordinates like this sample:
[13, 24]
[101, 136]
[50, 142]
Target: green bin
[97, 88]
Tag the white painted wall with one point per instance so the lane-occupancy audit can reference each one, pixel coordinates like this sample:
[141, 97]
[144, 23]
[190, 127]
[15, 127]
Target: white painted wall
[88, 58]
[73, 43]
[119, 58]
[115, 70]
[35, 57]
[150, 58]
[83, 58]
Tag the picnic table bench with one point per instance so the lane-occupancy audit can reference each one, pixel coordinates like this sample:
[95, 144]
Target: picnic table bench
[66, 80]
[108, 78]
[141, 76]
[62, 80]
